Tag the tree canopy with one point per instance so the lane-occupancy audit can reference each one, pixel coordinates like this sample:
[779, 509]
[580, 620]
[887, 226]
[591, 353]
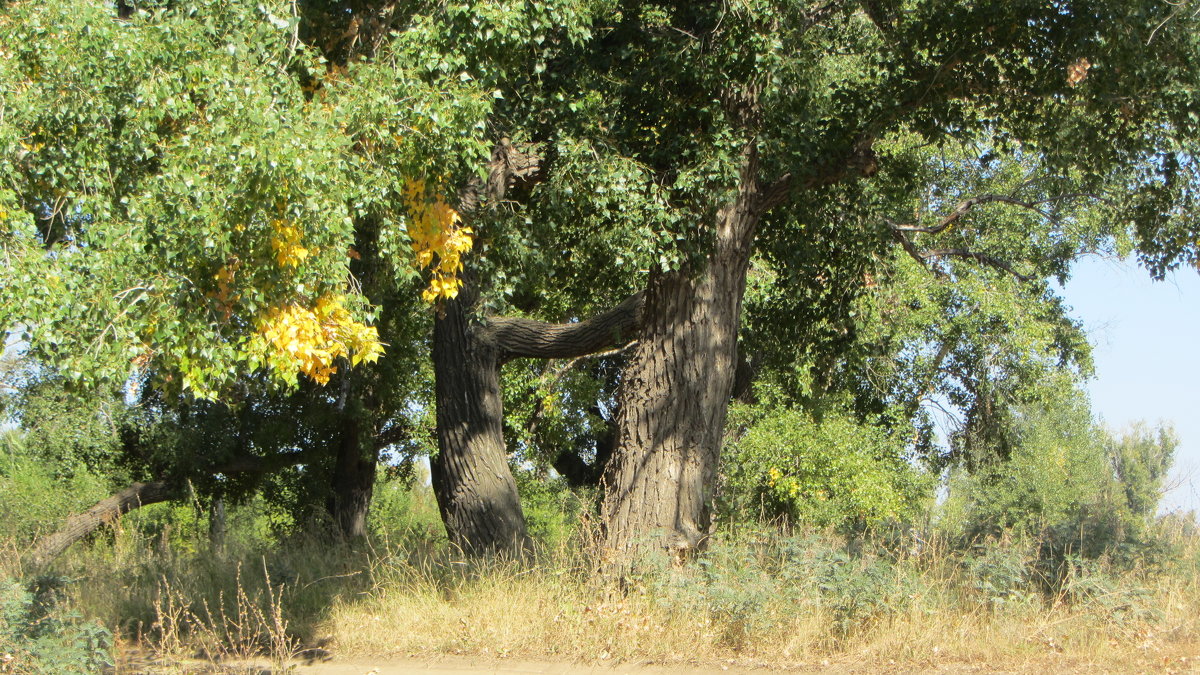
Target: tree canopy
[845, 207]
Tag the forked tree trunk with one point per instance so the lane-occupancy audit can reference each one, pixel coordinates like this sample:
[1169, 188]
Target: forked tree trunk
[674, 395]
[475, 489]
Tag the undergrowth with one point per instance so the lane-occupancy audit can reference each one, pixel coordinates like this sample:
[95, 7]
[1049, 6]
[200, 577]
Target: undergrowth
[759, 595]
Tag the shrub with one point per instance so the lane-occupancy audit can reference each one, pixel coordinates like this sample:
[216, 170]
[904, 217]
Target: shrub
[835, 471]
[37, 635]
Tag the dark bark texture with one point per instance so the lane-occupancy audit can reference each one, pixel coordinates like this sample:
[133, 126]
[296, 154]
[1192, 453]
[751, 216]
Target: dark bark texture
[476, 492]
[353, 480]
[675, 391]
[475, 488]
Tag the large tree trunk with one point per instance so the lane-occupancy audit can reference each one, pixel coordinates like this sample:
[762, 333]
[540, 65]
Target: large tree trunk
[104, 512]
[475, 489]
[353, 480]
[675, 392]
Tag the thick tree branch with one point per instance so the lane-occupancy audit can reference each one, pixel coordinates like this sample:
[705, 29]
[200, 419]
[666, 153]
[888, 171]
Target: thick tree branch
[519, 337]
[912, 251]
[260, 465]
[107, 510]
[965, 206]
[509, 167]
[137, 495]
[775, 193]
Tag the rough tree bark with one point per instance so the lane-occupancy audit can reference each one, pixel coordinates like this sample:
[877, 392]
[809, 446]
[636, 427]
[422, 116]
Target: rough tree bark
[80, 525]
[675, 390]
[353, 480]
[676, 386]
[359, 405]
[475, 489]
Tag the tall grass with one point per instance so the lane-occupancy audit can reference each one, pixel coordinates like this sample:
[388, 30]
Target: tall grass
[761, 596]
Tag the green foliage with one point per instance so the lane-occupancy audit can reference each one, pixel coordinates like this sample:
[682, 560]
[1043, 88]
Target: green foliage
[1076, 491]
[175, 177]
[40, 636]
[552, 510]
[1003, 573]
[404, 513]
[831, 471]
[36, 494]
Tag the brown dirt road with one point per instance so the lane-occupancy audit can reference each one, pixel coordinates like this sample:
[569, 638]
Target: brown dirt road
[461, 665]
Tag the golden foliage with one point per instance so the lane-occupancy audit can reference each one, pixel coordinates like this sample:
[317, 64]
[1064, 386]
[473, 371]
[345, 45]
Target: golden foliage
[438, 240]
[286, 242]
[297, 339]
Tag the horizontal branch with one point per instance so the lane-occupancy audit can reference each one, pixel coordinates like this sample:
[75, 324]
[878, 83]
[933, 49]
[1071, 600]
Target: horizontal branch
[965, 206]
[519, 337]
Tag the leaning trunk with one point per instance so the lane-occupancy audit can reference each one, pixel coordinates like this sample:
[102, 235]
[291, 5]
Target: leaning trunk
[106, 511]
[475, 489]
[674, 395]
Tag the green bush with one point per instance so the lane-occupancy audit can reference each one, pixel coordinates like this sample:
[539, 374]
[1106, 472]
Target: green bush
[835, 471]
[34, 497]
[40, 636]
[552, 509]
[1069, 486]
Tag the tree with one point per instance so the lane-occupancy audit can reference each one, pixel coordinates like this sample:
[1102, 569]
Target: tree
[805, 103]
[582, 151]
[196, 193]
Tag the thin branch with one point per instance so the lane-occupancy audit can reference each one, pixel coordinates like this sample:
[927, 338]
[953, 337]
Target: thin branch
[990, 261]
[913, 252]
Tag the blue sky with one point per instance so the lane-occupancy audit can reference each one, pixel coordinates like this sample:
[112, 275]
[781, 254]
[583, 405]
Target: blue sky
[1146, 340]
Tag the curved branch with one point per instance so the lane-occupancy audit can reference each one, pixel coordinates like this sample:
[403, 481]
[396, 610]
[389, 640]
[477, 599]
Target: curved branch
[983, 258]
[961, 210]
[519, 337]
[137, 495]
[965, 206]
[107, 510]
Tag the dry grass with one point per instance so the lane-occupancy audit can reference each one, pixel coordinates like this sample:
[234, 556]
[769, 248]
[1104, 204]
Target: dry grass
[762, 600]
[944, 621]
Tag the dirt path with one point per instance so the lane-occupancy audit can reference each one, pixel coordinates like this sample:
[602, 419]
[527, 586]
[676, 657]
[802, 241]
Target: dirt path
[466, 666]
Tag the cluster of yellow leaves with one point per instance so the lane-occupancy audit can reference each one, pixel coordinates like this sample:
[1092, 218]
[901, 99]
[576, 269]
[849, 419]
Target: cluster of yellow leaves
[286, 242]
[225, 295]
[439, 240]
[310, 341]
[1078, 71]
[783, 485]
